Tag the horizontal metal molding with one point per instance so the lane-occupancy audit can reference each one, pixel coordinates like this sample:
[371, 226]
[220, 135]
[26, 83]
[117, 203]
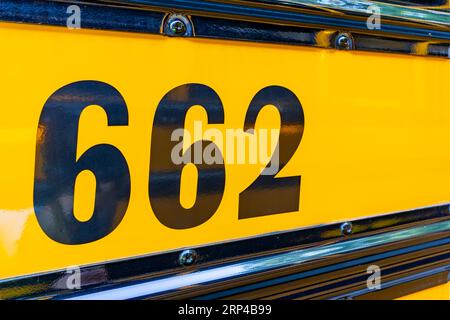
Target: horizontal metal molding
[261, 32]
[155, 287]
[429, 23]
[254, 263]
[54, 13]
[127, 18]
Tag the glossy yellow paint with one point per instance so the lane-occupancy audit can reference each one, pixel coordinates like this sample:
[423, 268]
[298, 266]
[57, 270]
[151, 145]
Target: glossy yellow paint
[376, 139]
[441, 292]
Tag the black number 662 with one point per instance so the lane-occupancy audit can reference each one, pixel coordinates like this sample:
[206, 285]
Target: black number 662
[57, 168]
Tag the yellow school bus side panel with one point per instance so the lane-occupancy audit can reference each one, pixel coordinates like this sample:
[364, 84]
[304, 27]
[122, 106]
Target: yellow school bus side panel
[376, 135]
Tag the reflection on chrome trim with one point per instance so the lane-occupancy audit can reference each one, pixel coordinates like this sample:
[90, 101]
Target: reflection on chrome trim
[127, 271]
[294, 24]
[258, 265]
[351, 7]
[393, 283]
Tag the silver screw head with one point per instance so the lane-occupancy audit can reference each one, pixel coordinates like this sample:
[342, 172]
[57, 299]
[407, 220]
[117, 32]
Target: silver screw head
[188, 257]
[344, 41]
[346, 228]
[178, 27]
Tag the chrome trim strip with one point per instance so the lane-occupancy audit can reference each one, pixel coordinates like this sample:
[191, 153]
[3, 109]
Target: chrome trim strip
[393, 283]
[387, 10]
[428, 23]
[255, 23]
[354, 7]
[129, 270]
[213, 28]
[258, 265]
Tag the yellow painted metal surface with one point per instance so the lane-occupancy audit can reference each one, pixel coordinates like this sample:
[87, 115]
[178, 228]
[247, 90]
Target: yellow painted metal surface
[441, 292]
[376, 136]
